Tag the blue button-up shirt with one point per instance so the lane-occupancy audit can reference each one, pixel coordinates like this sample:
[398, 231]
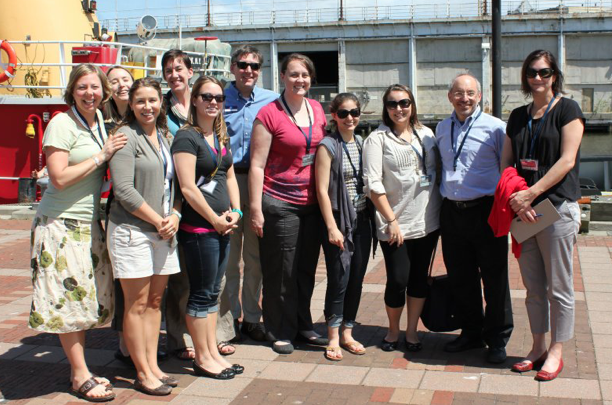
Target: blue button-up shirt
[477, 171]
[239, 114]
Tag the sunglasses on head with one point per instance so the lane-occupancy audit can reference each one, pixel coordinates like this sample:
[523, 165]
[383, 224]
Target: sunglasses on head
[243, 65]
[355, 112]
[219, 98]
[392, 104]
[543, 73]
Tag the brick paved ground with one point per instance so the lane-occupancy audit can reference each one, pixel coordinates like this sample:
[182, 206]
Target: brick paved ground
[33, 368]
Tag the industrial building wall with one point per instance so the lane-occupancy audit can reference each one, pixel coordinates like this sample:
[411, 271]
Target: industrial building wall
[377, 55]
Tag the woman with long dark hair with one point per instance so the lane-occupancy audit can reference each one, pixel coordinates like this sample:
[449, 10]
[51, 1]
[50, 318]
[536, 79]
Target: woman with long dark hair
[143, 221]
[211, 210]
[400, 177]
[347, 235]
[543, 143]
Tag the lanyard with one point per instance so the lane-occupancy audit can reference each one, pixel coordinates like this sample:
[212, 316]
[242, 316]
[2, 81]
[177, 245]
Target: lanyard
[355, 173]
[309, 137]
[534, 136]
[424, 157]
[212, 153]
[458, 152]
[162, 150]
[84, 123]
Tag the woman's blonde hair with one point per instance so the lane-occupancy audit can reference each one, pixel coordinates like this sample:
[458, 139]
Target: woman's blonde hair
[83, 70]
[192, 120]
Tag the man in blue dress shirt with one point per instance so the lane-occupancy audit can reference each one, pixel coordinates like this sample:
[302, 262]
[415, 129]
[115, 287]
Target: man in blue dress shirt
[470, 143]
[243, 101]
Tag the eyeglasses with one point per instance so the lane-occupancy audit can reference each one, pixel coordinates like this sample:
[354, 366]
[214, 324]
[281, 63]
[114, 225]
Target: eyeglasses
[468, 94]
[355, 112]
[243, 65]
[392, 104]
[543, 73]
[219, 98]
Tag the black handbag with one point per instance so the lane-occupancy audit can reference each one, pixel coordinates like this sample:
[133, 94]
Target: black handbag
[439, 310]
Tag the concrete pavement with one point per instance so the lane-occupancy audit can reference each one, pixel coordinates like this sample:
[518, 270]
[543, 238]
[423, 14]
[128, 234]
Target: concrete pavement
[34, 369]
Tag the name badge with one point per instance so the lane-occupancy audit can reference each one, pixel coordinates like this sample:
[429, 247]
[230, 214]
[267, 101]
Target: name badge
[529, 164]
[425, 180]
[209, 188]
[359, 198]
[308, 160]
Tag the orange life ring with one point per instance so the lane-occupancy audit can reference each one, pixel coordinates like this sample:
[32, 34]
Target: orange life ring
[9, 72]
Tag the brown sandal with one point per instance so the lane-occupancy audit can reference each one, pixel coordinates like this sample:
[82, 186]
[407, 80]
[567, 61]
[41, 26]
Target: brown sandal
[224, 345]
[89, 385]
[335, 350]
[353, 347]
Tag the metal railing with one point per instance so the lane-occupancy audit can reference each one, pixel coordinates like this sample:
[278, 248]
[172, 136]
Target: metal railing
[154, 70]
[259, 16]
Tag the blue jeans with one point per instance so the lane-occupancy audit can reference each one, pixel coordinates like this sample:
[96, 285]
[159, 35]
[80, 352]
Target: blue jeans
[206, 257]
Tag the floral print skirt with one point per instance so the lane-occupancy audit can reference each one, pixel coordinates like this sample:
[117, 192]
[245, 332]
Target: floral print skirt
[71, 276]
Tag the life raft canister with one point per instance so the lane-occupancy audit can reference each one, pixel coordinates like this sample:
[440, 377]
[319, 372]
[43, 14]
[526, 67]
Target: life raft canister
[9, 72]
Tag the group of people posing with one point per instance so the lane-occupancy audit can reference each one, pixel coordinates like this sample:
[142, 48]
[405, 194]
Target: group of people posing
[203, 177]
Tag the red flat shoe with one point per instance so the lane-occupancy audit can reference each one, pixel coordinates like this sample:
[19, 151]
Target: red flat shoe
[546, 376]
[523, 367]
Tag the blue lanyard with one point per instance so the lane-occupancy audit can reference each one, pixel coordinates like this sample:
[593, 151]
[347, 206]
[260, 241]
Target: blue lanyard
[458, 152]
[536, 135]
[358, 178]
[309, 137]
[86, 125]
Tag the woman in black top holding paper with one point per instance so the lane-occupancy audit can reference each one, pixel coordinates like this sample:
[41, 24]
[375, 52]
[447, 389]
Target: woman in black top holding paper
[543, 143]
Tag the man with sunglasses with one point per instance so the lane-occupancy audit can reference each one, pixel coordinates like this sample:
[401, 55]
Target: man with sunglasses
[243, 101]
[470, 143]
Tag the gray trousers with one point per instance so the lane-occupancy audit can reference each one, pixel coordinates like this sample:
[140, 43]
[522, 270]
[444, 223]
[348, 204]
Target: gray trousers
[547, 271]
[244, 244]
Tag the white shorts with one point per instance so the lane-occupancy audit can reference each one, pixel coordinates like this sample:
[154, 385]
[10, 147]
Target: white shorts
[137, 254]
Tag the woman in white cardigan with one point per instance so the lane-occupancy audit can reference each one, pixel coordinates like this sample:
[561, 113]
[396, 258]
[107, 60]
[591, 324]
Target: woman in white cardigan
[400, 178]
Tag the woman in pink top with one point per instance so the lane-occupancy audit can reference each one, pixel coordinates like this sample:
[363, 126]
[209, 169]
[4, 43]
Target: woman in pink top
[285, 213]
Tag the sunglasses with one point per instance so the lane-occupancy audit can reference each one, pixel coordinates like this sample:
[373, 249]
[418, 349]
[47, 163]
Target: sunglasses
[219, 98]
[243, 65]
[392, 104]
[345, 113]
[543, 73]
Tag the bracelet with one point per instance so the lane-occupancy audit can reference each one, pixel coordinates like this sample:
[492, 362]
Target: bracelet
[96, 161]
[238, 211]
[178, 214]
[393, 220]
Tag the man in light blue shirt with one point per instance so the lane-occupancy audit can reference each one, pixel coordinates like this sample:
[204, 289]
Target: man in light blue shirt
[470, 144]
[243, 101]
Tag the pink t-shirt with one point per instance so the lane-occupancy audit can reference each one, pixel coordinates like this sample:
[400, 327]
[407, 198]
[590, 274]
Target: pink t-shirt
[284, 176]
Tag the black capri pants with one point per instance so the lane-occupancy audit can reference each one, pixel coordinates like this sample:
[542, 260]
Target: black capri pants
[407, 266]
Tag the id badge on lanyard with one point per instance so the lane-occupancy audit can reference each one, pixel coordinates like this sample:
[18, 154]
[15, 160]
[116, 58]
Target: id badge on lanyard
[308, 160]
[529, 164]
[425, 180]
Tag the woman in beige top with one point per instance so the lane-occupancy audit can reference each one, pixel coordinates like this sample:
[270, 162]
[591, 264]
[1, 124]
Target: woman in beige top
[400, 178]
